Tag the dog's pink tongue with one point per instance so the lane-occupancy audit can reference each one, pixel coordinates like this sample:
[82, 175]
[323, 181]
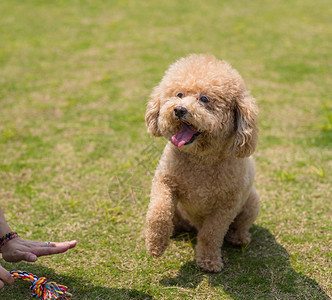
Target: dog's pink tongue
[184, 135]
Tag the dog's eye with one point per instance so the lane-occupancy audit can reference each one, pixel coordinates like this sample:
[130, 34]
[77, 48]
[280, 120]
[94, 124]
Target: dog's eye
[204, 99]
[180, 95]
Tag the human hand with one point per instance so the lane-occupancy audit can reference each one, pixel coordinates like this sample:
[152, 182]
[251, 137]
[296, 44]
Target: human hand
[19, 249]
[5, 277]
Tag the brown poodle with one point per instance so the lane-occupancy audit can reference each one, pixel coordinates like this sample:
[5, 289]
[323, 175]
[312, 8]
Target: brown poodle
[205, 176]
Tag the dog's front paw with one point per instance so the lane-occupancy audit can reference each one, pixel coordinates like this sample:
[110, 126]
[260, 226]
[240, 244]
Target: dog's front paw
[210, 265]
[208, 257]
[154, 250]
[155, 244]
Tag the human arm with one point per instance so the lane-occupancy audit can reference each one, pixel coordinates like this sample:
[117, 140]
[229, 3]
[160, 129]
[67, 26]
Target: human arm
[18, 249]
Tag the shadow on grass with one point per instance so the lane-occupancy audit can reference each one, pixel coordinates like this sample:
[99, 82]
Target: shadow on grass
[260, 271]
[79, 287]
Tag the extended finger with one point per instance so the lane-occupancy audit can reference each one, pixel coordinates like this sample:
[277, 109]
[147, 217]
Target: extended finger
[50, 250]
[71, 244]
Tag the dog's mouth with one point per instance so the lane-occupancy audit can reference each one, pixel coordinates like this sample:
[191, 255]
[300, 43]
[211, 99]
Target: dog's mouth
[186, 135]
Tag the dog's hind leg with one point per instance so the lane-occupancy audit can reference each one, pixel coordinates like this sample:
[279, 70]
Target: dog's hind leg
[238, 233]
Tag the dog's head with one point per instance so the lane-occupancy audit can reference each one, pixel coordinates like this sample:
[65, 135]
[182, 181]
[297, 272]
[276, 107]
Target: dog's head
[202, 105]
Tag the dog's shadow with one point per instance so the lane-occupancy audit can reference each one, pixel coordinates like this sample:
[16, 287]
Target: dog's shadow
[262, 270]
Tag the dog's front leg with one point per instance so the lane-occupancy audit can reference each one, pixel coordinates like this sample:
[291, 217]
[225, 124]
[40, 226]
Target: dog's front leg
[159, 218]
[210, 238]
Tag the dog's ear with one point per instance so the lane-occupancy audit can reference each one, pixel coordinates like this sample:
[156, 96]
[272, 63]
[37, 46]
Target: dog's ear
[246, 113]
[152, 112]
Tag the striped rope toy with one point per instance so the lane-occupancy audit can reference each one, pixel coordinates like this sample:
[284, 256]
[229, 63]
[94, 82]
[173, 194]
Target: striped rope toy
[43, 289]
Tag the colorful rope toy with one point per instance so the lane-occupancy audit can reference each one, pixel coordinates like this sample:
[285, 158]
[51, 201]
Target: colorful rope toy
[43, 289]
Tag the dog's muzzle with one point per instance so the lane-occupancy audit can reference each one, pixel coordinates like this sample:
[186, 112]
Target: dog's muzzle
[180, 111]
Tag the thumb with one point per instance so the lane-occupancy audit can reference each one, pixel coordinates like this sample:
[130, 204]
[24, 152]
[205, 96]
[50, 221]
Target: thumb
[20, 255]
[30, 257]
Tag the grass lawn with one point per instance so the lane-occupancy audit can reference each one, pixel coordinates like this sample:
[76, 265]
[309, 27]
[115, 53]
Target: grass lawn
[76, 161]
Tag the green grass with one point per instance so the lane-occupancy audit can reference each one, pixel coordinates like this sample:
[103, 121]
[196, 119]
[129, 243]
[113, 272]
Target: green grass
[76, 161]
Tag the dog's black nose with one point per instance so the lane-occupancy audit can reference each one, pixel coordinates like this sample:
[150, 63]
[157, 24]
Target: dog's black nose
[180, 111]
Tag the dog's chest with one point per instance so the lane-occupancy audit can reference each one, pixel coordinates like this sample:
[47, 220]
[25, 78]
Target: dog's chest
[200, 188]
